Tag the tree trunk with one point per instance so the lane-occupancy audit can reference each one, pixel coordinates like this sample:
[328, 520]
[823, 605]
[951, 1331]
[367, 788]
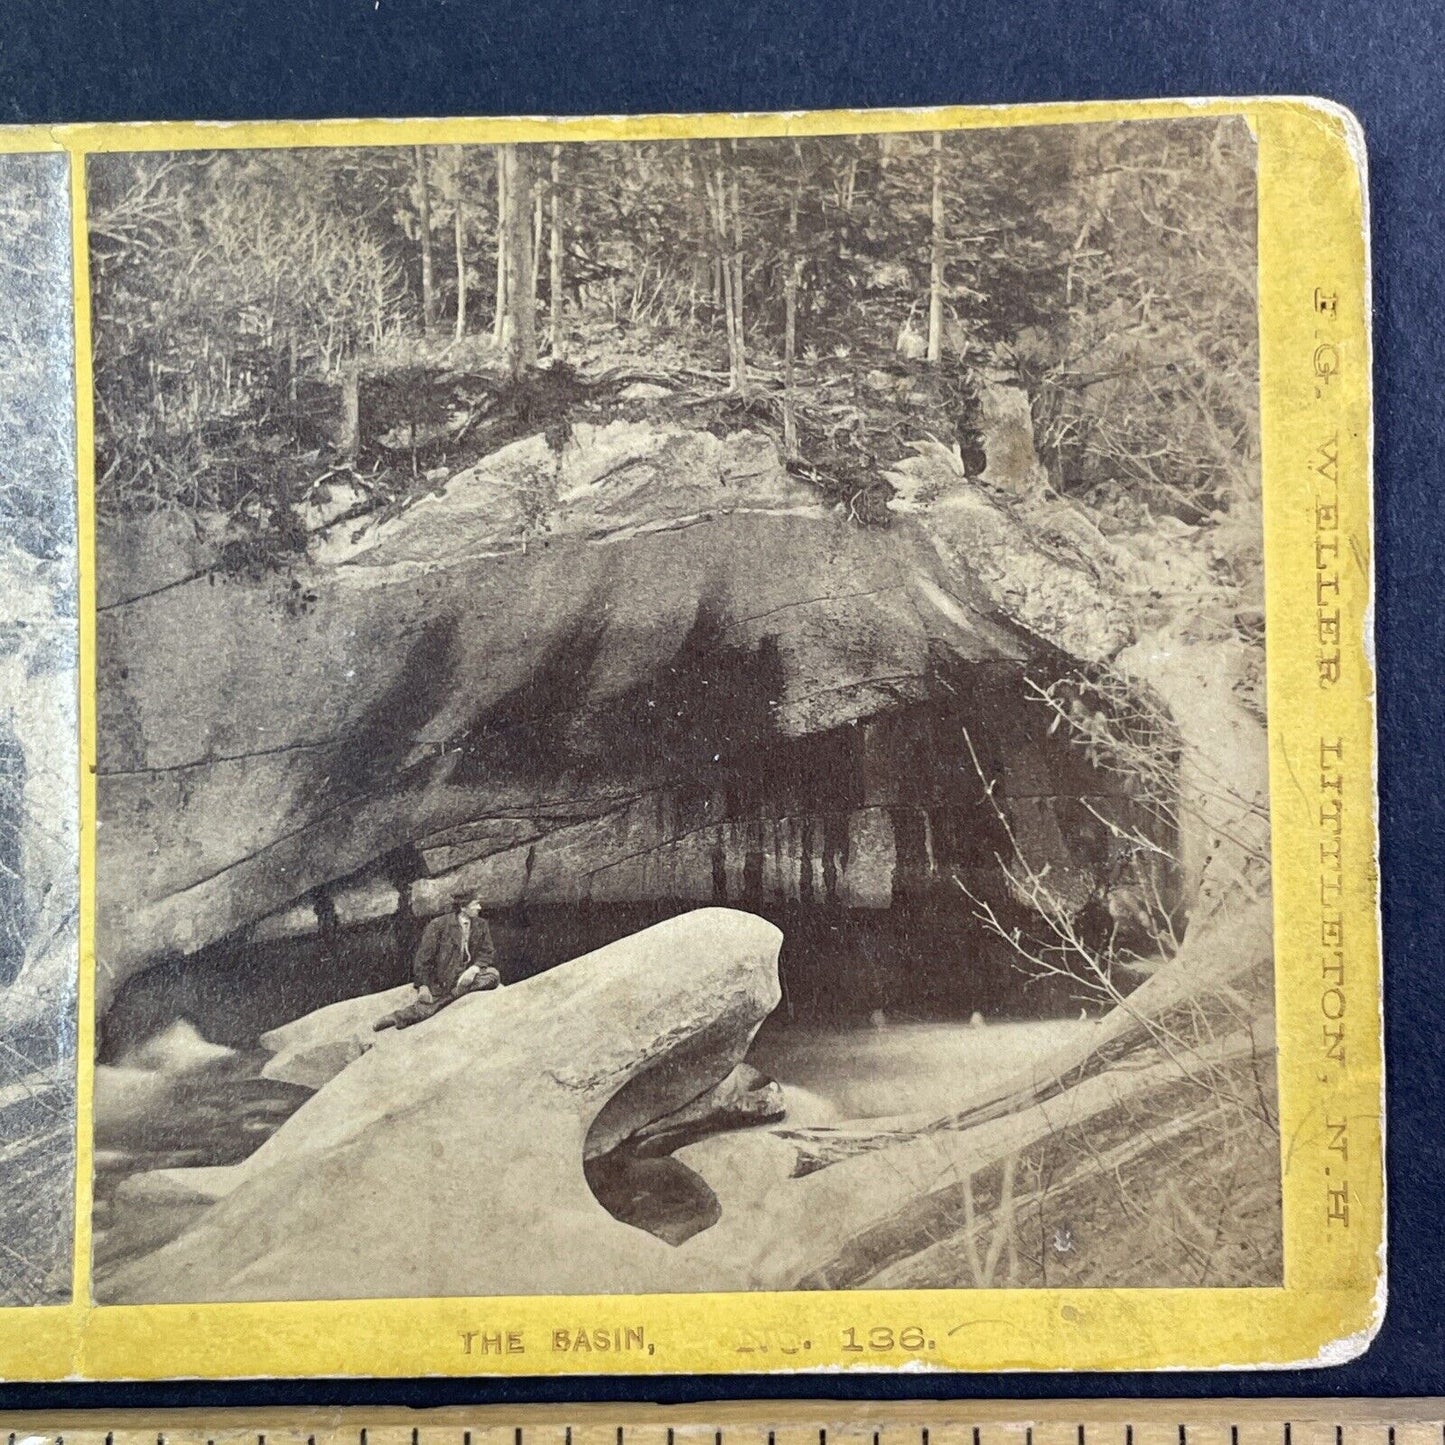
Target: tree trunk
[350, 441]
[499, 319]
[740, 376]
[459, 238]
[707, 229]
[718, 200]
[790, 330]
[729, 314]
[536, 239]
[935, 275]
[428, 283]
[520, 327]
[554, 255]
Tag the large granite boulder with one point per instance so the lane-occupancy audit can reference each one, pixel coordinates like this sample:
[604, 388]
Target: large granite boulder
[313, 1049]
[419, 1169]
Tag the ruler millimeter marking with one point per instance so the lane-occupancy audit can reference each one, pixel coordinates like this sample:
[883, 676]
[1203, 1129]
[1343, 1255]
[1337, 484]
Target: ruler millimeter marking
[983, 1422]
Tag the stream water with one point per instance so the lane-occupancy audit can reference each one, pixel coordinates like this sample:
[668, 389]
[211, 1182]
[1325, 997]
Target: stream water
[870, 1071]
[186, 1104]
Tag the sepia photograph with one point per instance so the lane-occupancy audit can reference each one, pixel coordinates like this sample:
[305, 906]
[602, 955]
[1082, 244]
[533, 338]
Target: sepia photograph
[39, 771]
[675, 716]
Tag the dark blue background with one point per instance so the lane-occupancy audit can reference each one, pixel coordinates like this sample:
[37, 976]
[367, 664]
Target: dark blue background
[237, 59]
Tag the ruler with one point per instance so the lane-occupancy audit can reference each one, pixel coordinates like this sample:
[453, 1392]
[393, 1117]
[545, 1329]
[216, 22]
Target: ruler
[965, 1422]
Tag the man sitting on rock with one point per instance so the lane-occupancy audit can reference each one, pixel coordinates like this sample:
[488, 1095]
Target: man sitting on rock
[455, 957]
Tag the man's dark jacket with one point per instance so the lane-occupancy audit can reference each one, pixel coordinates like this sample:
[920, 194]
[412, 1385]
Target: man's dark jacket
[441, 958]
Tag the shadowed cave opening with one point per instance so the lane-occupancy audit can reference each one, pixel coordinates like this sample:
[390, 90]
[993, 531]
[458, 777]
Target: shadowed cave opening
[874, 846]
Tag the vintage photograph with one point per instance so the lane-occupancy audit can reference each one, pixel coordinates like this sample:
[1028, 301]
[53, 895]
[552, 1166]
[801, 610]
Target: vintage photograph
[682, 715]
[39, 745]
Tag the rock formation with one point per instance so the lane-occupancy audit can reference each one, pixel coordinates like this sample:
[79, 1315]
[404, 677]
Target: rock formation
[746, 1097]
[642, 664]
[1049, 569]
[428, 1157]
[315, 1048]
[418, 1169]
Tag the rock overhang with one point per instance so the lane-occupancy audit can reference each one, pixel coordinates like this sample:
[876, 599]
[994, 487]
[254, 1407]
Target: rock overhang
[251, 751]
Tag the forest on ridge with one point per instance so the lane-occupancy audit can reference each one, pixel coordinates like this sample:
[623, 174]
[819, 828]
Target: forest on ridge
[845, 292]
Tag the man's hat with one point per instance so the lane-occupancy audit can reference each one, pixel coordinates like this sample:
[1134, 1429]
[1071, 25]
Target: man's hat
[463, 896]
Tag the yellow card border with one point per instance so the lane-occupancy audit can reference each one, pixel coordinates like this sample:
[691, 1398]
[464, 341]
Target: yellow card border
[1316, 419]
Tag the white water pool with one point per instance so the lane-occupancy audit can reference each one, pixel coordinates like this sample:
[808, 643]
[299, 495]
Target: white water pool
[866, 1072]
